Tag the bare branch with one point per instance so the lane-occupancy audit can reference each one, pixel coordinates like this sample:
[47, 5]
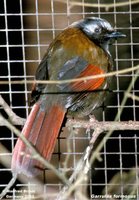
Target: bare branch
[9, 185]
[7, 163]
[132, 96]
[88, 158]
[12, 116]
[80, 174]
[35, 154]
[83, 166]
[65, 163]
[117, 117]
[104, 125]
[114, 73]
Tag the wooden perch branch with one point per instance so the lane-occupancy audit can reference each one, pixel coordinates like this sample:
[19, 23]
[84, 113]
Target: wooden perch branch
[104, 125]
[80, 174]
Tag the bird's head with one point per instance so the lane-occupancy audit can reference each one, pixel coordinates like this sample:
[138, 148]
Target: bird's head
[98, 30]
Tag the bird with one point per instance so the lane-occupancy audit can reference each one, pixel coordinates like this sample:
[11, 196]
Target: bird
[79, 51]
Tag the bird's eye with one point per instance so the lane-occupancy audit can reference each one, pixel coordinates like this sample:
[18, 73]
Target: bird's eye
[98, 30]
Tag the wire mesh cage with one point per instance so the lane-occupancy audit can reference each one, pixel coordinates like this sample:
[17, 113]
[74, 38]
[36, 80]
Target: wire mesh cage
[26, 30]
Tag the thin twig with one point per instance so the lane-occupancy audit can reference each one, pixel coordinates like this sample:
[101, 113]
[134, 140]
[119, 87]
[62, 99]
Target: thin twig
[82, 168]
[83, 165]
[7, 163]
[35, 154]
[72, 188]
[123, 71]
[117, 117]
[9, 185]
[67, 158]
[132, 96]
[98, 128]
[14, 119]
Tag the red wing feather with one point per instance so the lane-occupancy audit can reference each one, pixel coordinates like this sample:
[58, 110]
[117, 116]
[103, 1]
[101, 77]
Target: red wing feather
[92, 84]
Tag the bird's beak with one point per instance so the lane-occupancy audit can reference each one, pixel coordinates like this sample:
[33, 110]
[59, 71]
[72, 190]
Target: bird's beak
[115, 35]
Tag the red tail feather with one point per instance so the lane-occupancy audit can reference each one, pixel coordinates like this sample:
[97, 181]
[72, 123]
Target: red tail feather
[41, 129]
